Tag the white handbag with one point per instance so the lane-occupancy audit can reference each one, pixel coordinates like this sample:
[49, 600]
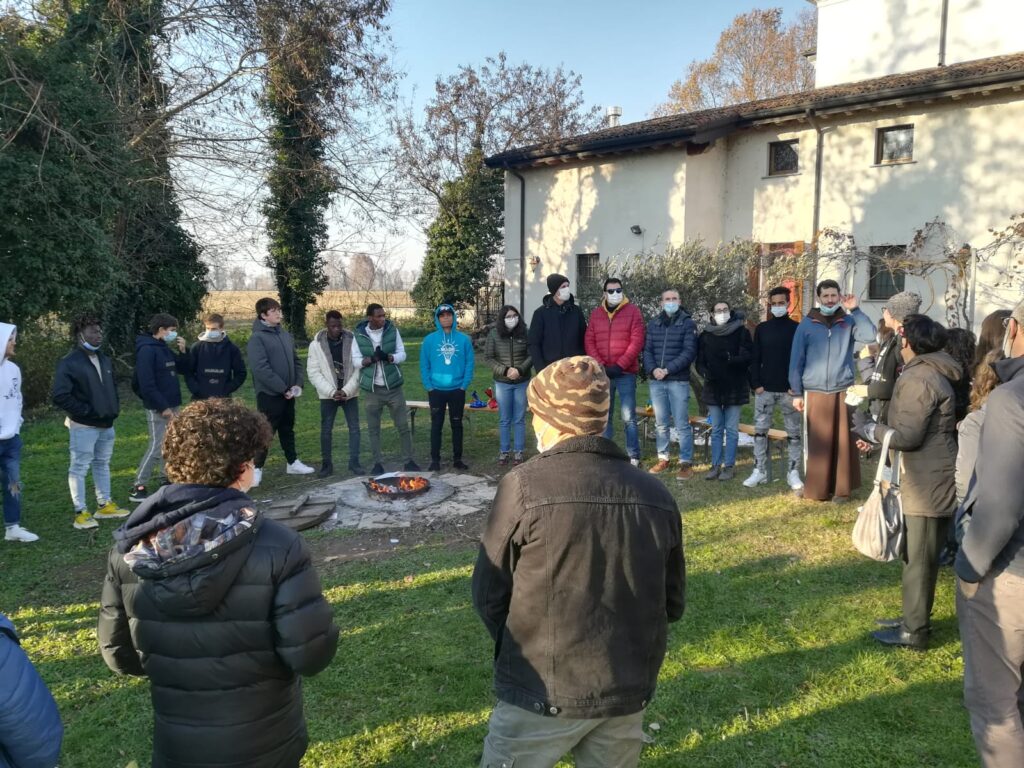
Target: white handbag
[879, 530]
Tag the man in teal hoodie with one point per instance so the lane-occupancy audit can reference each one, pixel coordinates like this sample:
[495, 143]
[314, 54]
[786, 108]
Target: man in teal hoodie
[446, 367]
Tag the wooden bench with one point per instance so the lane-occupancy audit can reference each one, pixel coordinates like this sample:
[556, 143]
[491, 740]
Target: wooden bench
[415, 406]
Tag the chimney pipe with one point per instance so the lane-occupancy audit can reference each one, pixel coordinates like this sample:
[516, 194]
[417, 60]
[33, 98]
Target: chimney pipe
[612, 116]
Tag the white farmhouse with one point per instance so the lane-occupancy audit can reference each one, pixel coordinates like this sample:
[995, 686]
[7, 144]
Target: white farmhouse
[917, 116]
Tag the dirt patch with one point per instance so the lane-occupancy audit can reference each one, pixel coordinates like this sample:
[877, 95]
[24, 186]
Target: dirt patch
[338, 547]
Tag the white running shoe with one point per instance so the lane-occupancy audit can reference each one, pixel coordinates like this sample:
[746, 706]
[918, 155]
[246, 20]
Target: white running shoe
[257, 475]
[298, 468]
[793, 478]
[635, 462]
[17, 533]
[757, 477]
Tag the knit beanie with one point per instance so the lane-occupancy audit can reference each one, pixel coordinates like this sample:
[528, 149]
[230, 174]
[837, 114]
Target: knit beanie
[571, 395]
[903, 304]
[555, 282]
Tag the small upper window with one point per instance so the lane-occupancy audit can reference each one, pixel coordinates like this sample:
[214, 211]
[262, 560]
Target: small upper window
[887, 274]
[783, 158]
[894, 145]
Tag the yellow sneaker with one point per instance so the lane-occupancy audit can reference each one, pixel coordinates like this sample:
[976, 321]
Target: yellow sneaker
[84, 521]
[111, 511]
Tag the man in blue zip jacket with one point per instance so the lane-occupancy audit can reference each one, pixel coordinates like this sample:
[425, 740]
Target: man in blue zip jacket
[216, 367]
[157, 366]
[820, 372]
[446, 368]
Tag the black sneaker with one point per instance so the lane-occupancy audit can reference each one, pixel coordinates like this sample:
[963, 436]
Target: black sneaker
[356, 469]
[411, 466]
[138, 493]
[460, 464]
[435, 466]
[326, 470]
[378, 469]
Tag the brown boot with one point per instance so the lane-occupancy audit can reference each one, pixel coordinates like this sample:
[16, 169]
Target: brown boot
[685, 472]
[659, 467]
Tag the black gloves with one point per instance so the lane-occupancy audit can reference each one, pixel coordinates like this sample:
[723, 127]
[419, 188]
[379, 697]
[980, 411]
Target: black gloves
[613, 371]
[380, 356]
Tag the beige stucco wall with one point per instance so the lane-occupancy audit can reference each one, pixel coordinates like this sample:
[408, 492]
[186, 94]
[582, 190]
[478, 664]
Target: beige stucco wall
[860, 39]
[968, 171]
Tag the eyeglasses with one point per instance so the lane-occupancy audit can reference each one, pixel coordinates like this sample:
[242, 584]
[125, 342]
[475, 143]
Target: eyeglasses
[613, 291]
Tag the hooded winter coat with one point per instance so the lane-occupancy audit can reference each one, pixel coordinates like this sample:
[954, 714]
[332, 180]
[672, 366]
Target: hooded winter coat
[446, 357]
[723, 360]
[321, 371]
[822, 356]
[922, 418]
[615, 337]
[81, 393]
[671, 344]
[30, 727]
[156, 373]
[223, 611]
[215, 369]
[10, 388]
[556, 332]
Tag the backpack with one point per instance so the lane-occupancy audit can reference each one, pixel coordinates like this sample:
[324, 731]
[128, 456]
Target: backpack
[879, 529]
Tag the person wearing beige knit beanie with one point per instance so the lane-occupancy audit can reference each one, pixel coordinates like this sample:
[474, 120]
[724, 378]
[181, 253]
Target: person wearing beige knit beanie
[580, 570]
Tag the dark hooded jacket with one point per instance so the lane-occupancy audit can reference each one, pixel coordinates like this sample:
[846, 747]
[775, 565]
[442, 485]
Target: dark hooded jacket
[216, 369]
[723, 360]
[223, 611]
[156, 373]
[82, 394]
[922, 418]
[556, 332]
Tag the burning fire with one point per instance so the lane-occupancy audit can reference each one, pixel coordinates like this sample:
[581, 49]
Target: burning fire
[404, 484]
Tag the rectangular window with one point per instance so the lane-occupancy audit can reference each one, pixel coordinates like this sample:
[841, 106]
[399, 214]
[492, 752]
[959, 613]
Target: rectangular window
[894, 145]
[783, 158]
[588, 268]
[886, 275]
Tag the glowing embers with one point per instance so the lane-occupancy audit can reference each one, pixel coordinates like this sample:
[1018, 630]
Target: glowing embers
[396, 486]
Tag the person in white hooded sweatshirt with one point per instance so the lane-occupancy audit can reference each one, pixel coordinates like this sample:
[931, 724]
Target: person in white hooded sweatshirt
[10, 440]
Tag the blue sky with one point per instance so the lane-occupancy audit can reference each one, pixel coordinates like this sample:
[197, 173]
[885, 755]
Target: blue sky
[628, 53]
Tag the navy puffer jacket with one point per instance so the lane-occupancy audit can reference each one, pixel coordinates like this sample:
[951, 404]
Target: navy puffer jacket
[223, 633]
[671, 344]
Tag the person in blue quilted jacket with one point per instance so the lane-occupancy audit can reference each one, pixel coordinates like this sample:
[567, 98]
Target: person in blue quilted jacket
[30, 728]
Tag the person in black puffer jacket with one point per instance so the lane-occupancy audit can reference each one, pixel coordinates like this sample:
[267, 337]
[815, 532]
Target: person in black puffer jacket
[219, 607]
[558, 326]
[724, 351]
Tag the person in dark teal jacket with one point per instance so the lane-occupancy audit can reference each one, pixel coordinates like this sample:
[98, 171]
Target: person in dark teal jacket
[30, 729]
[446, 367]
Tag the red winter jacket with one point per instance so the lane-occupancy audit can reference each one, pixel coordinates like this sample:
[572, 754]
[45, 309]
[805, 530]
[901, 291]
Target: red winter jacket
[617, 337]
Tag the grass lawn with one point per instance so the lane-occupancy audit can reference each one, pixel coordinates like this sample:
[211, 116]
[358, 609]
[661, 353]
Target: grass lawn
[772, 664]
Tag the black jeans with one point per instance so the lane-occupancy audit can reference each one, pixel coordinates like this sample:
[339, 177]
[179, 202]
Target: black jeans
[280, 412]
[455, 401]
[328, 411]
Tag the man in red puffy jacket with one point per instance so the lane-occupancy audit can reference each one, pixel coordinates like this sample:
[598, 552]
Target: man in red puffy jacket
[615, 338]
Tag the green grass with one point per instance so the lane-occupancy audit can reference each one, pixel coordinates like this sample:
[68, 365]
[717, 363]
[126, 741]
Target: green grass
[771, 665]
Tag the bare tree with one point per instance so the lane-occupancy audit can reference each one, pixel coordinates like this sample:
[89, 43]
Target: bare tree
[756, 57]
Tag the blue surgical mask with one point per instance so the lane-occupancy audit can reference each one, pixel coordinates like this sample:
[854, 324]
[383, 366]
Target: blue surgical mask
[829, 311]
[779, 311]
[171, 336]
[88, 346]
[213, 335]
[670, 307]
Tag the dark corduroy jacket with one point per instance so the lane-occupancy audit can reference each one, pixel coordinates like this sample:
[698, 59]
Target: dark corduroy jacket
[579, 572]
[223, 636]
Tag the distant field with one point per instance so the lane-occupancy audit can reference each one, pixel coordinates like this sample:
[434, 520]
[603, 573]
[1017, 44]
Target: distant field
[238, 307]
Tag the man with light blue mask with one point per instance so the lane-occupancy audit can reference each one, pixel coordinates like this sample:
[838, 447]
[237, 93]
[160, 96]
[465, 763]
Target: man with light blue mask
[820, 371]
[159, 359]
[670, 347]
[85, 389]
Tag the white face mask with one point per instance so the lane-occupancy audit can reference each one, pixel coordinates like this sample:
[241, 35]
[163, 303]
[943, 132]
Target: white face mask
[511, 322]
[721, 318]
[1007, 343]
[540, 439]
[779, 311]
[564, 294]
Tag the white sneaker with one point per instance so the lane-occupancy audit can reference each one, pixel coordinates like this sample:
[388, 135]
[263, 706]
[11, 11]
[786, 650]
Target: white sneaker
[17, 533]
[298, 468]
[257, 475]
[757, 477]
[635, 462]
[793, 478]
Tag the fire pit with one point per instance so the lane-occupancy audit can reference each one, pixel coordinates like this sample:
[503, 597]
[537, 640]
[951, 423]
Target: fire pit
[396, 486]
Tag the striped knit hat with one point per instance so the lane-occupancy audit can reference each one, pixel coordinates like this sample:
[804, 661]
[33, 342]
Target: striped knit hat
[572, 396]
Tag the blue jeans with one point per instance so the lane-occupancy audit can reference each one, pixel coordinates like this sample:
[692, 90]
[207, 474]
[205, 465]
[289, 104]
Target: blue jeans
[625, 385]
[90, 447]
[725, 422]
[10, 479]
[671, 400]
[511, 414]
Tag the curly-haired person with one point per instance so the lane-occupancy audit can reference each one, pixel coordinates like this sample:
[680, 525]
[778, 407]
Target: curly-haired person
[218, 606]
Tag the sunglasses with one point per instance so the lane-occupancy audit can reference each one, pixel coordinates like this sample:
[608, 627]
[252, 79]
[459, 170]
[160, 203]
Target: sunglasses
[613, 291]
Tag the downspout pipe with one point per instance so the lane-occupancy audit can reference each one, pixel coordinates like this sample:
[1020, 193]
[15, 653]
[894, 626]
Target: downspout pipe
[819, 154]
[943, 27]
[522, 238]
